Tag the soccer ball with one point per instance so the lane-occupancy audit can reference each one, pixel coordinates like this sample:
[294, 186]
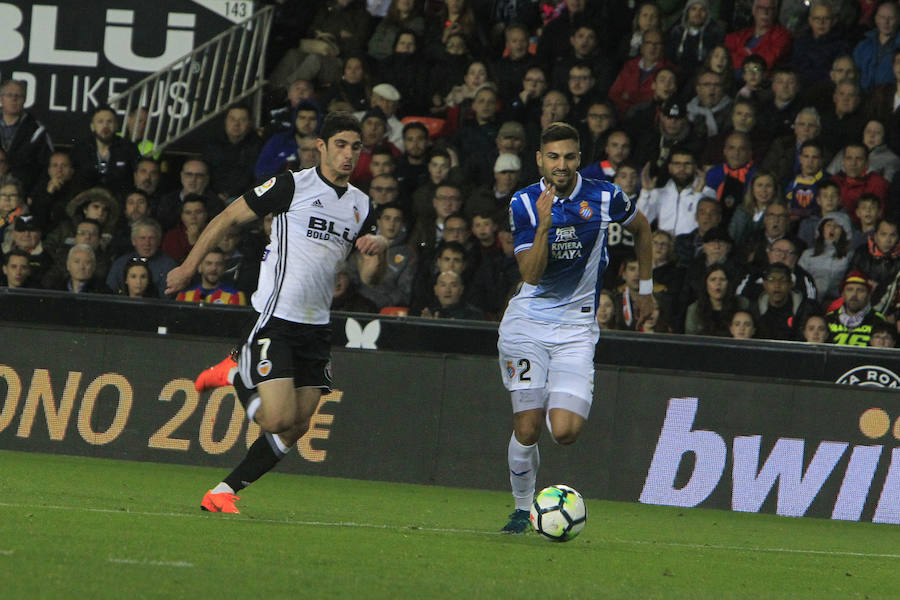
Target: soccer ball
[558, 513]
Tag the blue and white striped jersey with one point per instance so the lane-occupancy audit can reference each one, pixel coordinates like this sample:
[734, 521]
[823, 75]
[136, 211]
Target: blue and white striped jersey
[577, 255]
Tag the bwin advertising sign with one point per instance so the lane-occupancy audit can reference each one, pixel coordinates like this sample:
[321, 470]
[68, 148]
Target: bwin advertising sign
[755, 475]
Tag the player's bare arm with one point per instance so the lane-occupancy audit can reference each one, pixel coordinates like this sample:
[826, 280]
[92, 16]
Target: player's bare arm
[237, 213]
[533, 261]
[372, 261]
[643, 246]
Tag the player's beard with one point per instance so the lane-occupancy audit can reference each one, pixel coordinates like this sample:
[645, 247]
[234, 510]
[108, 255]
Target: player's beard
[563, 182]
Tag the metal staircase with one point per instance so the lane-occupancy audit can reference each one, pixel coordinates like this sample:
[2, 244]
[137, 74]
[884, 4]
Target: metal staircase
[197, 87]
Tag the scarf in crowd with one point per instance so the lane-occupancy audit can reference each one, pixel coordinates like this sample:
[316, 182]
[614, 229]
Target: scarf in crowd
[694, 111]
[874, 251]
[853, 321]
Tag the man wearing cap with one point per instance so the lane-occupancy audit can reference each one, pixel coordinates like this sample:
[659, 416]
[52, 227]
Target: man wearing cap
[715, 249]
[26, 237]
[386, 98]
[495, 199]
[655, 141]
[851, 323]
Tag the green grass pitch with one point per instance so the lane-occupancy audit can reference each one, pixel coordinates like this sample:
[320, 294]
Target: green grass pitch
[91, 528]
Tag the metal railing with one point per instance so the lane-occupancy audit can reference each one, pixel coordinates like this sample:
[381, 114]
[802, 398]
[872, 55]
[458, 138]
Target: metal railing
[197, 87]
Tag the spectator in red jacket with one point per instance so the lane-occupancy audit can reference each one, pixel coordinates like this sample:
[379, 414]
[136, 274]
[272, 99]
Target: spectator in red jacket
[765, 37]
[634, 83]
[856, 179]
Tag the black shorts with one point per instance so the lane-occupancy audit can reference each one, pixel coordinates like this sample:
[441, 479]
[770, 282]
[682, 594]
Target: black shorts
[284, 349]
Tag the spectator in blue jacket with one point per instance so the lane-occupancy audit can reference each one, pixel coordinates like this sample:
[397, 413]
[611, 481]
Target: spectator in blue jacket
[874, 55]
[288, 146]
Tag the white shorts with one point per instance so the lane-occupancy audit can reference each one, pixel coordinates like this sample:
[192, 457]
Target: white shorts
[555, 357]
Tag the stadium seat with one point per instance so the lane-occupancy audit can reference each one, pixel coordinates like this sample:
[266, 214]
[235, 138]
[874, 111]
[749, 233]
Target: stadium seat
[433, 124]
[394, 311]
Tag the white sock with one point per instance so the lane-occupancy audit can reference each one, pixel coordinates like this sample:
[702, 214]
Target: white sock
[222, 488]
[523, 465]
[254, 405]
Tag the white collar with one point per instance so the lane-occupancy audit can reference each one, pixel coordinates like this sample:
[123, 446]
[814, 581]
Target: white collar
[575, 190]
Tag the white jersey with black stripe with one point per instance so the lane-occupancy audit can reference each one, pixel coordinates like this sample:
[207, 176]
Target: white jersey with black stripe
[314, 228]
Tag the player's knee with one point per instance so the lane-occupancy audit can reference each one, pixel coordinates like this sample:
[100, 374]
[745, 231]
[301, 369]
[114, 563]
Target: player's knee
[527, 432]
[276, 423]
[565, 437]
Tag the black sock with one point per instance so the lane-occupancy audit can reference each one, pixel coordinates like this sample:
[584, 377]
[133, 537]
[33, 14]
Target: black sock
[262, 456]
[244, 394]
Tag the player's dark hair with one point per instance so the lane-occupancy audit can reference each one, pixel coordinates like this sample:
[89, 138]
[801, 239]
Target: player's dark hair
[337, 122]
[559, 131]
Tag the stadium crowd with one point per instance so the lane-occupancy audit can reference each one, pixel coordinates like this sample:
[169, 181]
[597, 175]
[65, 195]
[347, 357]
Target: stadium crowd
[762, 140]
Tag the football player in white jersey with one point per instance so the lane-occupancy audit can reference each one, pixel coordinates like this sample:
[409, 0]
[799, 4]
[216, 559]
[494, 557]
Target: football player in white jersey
[283, 366]
[548, 332]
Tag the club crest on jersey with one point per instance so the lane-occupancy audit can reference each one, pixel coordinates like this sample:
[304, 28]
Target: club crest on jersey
[585, 210]
[262, 189]
[510, 369]
[566, 234]
[264, 367]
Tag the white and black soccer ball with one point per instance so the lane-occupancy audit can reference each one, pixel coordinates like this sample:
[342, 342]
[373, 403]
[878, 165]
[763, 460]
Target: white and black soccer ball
[558, 513]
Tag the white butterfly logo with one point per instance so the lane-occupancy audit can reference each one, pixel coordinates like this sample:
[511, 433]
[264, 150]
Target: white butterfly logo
[360, 337]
